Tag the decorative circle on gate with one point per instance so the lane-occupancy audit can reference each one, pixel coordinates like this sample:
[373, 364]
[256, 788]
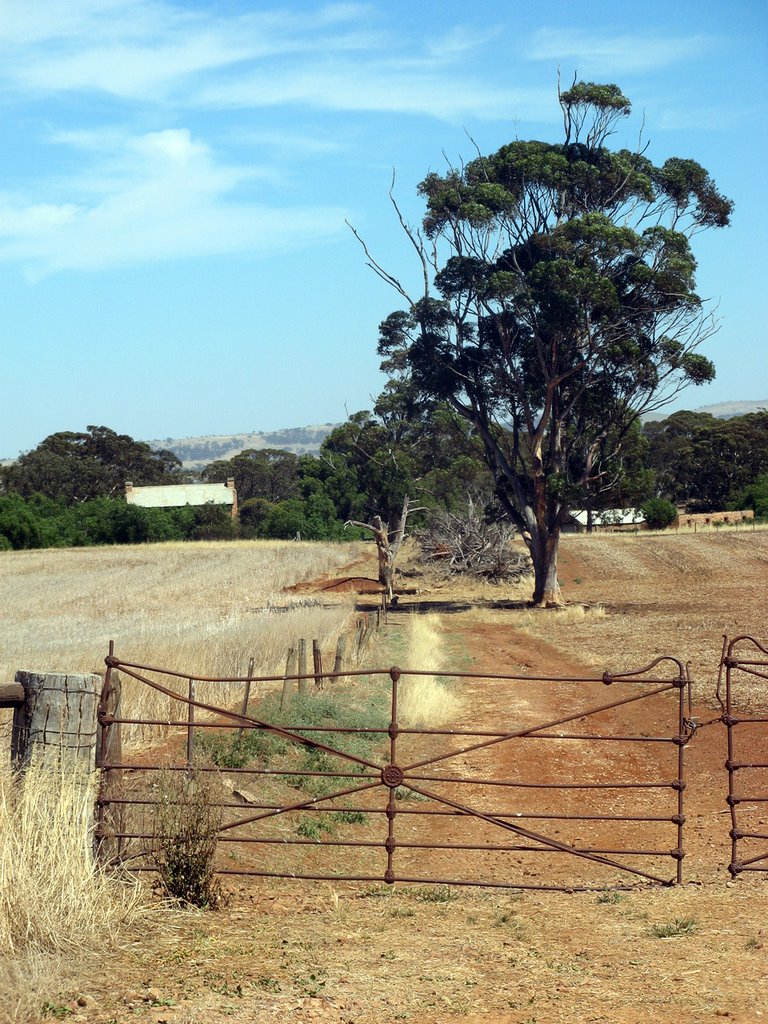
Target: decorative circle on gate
[392, 776]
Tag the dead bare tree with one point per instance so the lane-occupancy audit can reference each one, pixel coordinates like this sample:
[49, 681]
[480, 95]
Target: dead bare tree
[388, 542]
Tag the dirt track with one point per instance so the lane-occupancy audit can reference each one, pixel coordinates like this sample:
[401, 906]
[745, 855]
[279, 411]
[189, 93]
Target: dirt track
[345, 953]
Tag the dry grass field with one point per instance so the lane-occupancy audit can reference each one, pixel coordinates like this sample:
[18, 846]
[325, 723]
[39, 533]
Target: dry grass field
[361, 953]
[202, 608]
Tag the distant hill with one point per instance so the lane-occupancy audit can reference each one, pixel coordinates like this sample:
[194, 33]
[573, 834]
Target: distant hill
[196, 452]
[720, 410]
[727, 410]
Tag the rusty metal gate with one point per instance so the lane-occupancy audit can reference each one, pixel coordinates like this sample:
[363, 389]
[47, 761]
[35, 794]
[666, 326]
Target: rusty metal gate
[347, 784]
[745, 714]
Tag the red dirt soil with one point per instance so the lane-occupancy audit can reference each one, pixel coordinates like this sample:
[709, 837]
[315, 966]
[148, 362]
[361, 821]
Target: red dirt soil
[341, 953]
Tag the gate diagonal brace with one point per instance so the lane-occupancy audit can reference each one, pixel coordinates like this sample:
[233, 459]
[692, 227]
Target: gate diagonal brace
[246, 720]
[531, 730]
[553, 844]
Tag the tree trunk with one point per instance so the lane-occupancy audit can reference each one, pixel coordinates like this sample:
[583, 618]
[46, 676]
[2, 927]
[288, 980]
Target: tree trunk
[385, 556]
[546, 589]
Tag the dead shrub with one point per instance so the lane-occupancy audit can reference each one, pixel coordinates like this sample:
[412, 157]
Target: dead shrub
[187, 821]
[472, 542]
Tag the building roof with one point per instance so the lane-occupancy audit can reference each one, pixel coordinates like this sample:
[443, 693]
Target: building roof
[610, 517]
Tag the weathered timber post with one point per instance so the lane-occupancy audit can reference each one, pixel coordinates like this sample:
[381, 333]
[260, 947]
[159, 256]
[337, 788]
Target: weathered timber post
[57, 721]
[317, 662]
[338, 664]
[191, 724]
[246, 695]
[360, 634]
[303, 683]
[290, 668]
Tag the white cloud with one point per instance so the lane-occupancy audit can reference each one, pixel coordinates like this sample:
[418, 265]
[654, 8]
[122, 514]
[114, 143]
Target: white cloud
[158, 196]
[150, 51]
[389, 86]
[460, 39]
[609, 55]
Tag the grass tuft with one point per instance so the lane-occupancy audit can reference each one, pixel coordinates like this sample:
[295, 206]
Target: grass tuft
[425, 701]
[52, 896]
[674, 929]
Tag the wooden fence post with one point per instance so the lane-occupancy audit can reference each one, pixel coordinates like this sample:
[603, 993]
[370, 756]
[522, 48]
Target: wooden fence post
[57, 720]
[303, 683]
[290, 666]
[246, 696]
[191, 724]
[360, 635]
[317, 661]
[338, 665]
[111, 817]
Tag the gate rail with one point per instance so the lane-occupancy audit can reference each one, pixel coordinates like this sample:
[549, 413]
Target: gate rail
[412, 780]
[745, 658]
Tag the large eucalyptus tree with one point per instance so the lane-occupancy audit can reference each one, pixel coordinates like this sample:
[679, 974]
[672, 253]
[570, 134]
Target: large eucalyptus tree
[557, 305]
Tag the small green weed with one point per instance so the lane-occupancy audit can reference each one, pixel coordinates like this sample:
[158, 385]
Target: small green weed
[611, 896]
[404, 793]
[435, 894]
[267, 984]
[680, 926]
[59, 1011]
[351, 817]
[314, 984]
[378, 891]
[315, 828]
[162, 1002]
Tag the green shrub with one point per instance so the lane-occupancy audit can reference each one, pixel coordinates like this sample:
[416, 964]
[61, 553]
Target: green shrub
[659, 513]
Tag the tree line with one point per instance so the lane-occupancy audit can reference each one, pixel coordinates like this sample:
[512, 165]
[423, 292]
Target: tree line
[68, 491]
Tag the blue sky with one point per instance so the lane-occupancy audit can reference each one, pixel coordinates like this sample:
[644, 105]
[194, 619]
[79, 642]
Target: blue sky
[175, 180]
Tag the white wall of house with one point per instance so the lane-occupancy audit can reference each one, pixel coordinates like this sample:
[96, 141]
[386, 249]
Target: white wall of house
[177, 495]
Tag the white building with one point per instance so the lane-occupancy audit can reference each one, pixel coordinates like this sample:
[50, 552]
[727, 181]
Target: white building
[178, 495]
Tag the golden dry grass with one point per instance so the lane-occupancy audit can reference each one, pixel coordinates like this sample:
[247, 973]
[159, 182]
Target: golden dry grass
[53, 903]
[425, 700]
[51, 898]
[205, 609]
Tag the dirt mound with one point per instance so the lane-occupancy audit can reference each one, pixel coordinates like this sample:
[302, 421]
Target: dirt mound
[342, 585]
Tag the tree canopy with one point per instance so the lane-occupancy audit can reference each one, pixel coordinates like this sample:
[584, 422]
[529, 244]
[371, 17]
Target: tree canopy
[702, 462]
[557, 304]
[75, 467]
[258, 473]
